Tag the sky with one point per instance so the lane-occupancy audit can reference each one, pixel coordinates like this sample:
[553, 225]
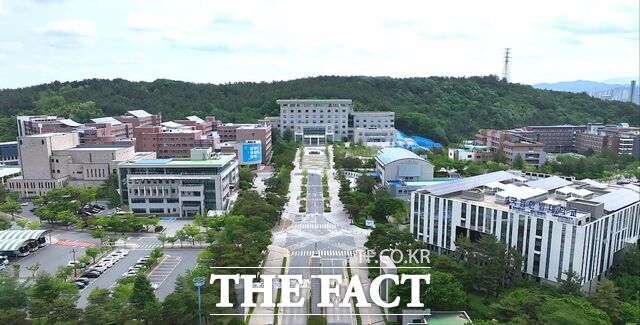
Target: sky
[229, 41]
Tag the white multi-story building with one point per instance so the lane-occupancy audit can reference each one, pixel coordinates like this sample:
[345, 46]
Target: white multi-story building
[315, 121]
[557, 225]
[179, 186]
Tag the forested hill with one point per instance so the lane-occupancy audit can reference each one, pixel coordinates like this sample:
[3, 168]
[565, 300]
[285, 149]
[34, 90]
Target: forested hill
[445, 109]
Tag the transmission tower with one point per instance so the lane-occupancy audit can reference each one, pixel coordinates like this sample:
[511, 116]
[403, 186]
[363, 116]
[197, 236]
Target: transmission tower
[507, 59]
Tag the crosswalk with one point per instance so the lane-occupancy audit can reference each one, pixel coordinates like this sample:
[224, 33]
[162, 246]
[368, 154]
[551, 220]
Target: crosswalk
[149, 246]
[315, 226]
[73, 243]
[323, 253]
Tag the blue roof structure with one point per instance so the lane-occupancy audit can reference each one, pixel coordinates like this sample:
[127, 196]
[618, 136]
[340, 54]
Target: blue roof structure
[389, 155]
[415, 142]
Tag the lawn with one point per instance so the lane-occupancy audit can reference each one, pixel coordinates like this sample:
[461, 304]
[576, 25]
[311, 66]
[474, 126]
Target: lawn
[362, 151]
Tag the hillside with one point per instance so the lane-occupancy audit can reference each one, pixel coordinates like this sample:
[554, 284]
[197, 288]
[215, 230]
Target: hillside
[444, 109]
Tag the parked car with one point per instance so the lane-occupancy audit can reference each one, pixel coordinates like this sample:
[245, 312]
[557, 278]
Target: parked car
[84, 280]
[159, 229]
[124, 252]
[91, 274]
[99, 269]
[155, 285]
[99, 206]
[80, 284]
[75, 264]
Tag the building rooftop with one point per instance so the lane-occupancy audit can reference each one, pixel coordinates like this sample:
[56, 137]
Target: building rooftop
[139, 113]
[195, 119]
[70, 122]
[389, 155]
[550, 183]
[216, 161]
[312, 101]
[106, 120]
[172, 124]
[8, 143]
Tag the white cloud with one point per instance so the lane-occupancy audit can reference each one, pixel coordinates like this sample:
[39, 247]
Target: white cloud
[11, 46]
[2, 57]
[69, 33]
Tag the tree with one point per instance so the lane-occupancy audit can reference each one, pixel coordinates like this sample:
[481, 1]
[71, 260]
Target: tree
[53, 298]
[606, 298]
[13, 316]
[67, 218]
[570, 310]
[366, 184]
[12, 293]
[518, 162]
[4, 223]
[570, 285]
[200, 238]
[34, 268]
[143, 298]
[22, 223]
[98, 234]
[162, 237]
[84, 261]
[444, 292]
[92, 252]
[181, 236]
[33, 225]
[11, 206]
[172, 240]
[245, 176]
[191, 231]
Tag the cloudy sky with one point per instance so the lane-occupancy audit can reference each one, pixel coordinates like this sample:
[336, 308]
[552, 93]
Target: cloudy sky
[226, 41]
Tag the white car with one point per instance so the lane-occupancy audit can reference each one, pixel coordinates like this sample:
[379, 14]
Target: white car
[24, 204]
[123, 252]
[155, 285]
[128, 274]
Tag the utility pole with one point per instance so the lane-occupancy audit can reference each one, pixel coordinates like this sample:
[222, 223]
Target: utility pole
[199, 282]
[507, 59]
[75, 267]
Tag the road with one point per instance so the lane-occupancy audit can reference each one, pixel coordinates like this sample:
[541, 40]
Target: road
[313, 234]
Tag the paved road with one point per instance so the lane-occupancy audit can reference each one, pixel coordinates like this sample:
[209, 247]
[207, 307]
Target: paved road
[311, 234]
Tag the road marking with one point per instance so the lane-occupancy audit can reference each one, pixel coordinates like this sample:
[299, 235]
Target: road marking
[315, 226]
[73, 243]
[160, 271]
[148, 246]
[323, 253]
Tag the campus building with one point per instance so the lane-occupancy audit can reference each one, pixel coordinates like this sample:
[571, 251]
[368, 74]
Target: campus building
[556, 138]
[512, 145]
[173, 140]
[620, 138]
[402, 171]
[38, 124]
[244, 138]
[54, 160]
[316, 121]
[179, 187]
[9, 153]
[469, 151]
[556, 224]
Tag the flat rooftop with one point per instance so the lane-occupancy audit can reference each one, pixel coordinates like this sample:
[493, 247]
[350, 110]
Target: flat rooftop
[312, 101]
[217, 161]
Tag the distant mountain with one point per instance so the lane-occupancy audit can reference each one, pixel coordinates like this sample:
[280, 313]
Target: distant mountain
[612, 89]
[577, 86]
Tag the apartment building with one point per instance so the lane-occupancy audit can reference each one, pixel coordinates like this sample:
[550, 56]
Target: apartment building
[179, 187]
[38, 124]
[512, 145]
[557, 225]
[54, 160]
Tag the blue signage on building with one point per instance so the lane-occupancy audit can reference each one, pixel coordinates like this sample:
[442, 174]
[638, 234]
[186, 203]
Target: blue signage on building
[251, 152]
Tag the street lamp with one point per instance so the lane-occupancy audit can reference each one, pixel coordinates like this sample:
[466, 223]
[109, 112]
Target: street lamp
[199, 282]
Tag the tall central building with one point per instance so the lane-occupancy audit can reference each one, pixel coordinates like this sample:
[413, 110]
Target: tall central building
[316, 121]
